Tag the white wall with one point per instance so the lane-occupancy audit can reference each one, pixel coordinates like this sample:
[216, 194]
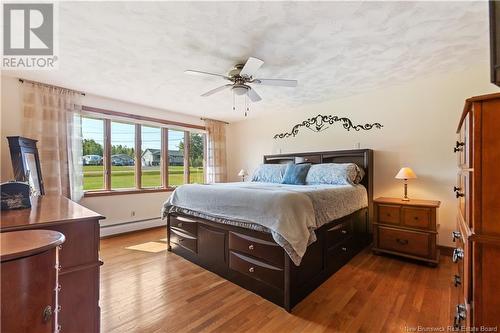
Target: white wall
[419, 118]
[117, 209]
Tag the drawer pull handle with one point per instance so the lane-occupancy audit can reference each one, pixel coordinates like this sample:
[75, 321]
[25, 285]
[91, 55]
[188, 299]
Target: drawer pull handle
[458, 254]
[459, 194]
[251, 269]
[402, 241]
[455, 235]
[459, 144]
[58, 267]
[460, 315]
[388, 214]
[344, 249]
[250, 247]
[456, 189]
[457, 280]
[179, 224]
[416, 218]
[47, 313]
[343, 231]
[58, 288]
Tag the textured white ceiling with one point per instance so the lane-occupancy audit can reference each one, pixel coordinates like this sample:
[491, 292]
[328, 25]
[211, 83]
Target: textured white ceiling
[137, 51]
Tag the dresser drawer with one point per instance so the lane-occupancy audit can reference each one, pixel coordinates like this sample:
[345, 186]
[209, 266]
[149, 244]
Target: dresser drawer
[185, 225]
[256, 269]
[339, 233]
[404, 241]
[182, 239]
[259, 248]
[463, 144]
[463, 194]
[388, 214]
[416, 217]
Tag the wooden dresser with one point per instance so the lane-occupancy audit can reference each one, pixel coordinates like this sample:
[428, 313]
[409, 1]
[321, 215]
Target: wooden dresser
[406, 228]
[79, 256]
[477, 237]
[29, 280]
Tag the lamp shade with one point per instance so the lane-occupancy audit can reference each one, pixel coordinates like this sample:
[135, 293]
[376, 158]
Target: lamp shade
[243, 173]
[406, 173]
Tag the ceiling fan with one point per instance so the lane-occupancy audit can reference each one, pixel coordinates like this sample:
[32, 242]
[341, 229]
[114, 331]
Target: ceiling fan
[241, 76]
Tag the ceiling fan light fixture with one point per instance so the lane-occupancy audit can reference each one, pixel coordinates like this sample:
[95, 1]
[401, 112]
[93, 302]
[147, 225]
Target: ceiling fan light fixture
[240, 90]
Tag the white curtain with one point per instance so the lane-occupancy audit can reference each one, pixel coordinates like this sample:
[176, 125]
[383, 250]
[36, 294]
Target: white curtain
[216, 151]
[52, 116]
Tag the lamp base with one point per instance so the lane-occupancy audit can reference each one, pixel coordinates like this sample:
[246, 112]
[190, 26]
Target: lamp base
[406, 199]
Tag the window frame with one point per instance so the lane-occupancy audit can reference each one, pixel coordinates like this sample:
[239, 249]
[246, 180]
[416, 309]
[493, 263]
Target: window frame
[108, 116]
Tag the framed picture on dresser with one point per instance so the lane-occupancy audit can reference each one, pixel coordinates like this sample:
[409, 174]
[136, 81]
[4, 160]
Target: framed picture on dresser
[26, 163]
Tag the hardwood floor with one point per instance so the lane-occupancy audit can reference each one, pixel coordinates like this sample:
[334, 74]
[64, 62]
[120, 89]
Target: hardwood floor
[161, 292]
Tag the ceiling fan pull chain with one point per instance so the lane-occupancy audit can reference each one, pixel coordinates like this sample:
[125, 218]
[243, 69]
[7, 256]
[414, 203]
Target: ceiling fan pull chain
[234, 108]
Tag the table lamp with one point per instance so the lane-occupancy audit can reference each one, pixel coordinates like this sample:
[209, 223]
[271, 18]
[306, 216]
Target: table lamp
[243, 173]
[406, 173]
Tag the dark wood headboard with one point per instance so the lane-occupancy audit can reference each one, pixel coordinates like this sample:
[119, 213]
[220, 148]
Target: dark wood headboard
[362, 157]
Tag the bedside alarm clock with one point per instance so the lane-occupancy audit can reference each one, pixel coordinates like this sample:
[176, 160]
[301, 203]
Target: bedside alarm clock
[15, 195]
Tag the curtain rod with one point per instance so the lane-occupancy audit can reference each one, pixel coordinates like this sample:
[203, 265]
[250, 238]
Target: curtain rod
[50, 85]
[225, 122]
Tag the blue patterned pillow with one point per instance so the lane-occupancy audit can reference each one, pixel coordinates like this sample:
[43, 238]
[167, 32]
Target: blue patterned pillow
[295, 174]
[335, 174]
[269, 173]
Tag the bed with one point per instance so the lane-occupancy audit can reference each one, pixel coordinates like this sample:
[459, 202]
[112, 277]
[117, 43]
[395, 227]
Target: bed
[214, 227]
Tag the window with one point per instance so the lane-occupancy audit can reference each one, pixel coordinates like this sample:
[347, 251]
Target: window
[122, 155]
[129, 156]
[93, 148]
[175, 158]
[150, 156]
[196, 158]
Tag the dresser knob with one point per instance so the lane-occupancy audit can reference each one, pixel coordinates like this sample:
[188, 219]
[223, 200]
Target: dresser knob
[458, 254]
[455, 235]
[416, 218]
[58, 288]
[58, 267]
[47, 313]
[457, 280]
[250, 247]
[251, 269]
[58, 329]
[343, 231]
[344, 249]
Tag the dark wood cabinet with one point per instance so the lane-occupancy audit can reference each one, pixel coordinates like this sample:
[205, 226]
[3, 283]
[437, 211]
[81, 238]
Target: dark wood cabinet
[477, 237]
[406, 228]
[29, 280]
[79, 256]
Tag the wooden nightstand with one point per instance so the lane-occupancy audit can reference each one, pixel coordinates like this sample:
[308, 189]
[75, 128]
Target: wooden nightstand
[406, 228]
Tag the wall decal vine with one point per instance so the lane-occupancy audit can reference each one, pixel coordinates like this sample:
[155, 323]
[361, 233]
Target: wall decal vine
[320, 123]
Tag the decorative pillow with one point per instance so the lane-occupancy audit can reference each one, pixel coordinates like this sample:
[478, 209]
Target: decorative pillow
[295, 174]
[269, 173]
[335, 174]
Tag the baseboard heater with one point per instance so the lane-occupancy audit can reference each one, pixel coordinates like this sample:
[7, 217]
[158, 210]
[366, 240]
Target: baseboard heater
[123, 227]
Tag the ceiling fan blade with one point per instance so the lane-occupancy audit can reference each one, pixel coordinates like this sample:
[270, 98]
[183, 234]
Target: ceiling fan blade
[213, 91]
[201, 73]
[252, 94]
[251, 67]
[276, 82]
